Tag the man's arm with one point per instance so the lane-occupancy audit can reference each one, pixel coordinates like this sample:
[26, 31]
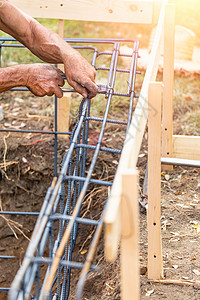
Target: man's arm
[49, 47]
[40, 79]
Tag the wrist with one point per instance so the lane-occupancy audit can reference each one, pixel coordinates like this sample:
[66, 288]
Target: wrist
[13, 76]
[19, 74]
[67, 52]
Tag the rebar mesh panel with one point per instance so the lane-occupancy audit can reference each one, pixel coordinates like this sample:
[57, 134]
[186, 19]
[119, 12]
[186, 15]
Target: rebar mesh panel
[46, 268]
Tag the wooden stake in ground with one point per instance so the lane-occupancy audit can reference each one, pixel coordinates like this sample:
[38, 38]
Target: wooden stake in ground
[64, 102]
[155, 264]
[130, 285]
[168, 80]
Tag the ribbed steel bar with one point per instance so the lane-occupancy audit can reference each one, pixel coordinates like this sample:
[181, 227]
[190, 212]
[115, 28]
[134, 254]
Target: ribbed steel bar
[180, 162]
[78, 220]
[48, 261]
[92, 147]
[33, 131]
[131, 82]
[73, 91]
[6, 257]
[79, 40]
[83, 179]
[108, 121]
[23, 213]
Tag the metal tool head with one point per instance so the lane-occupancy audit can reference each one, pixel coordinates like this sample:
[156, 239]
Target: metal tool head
[102, 88]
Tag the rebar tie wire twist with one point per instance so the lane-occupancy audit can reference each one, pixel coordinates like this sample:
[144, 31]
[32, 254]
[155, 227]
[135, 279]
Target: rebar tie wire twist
[65, 208]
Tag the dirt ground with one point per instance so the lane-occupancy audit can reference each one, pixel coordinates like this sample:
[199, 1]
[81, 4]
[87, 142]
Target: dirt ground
[27, 165]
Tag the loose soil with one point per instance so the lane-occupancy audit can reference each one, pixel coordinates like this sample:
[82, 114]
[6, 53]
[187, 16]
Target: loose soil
[29, 161]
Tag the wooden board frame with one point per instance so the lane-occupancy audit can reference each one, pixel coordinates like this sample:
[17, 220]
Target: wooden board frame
[134, 11]
[155, 262]
[174, 146]
[130, 280]
[168, 81]
[63, 104]
[131, 148]
[186, 147]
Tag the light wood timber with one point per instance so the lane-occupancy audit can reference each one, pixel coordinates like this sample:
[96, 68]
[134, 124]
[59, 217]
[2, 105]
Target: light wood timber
[113, 232]
[155, 264]
[130, 281]
[63, 114]
[63, 104]
[168, 81]
[187, 147]
[139, 11]
[132, 145]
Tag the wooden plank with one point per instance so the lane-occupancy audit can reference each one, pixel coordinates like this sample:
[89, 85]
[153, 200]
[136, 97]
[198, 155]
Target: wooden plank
[139, 11]
[133, 141]
[168, 80]
[61, 26]
[155, 265]
[112, 234]
[130, 281]
[187, 147]
[63, 104]
[63, 114]
[156, 11]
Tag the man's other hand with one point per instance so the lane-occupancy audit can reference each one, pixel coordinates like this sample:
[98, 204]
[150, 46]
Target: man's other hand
[45, 80]
[80, 74]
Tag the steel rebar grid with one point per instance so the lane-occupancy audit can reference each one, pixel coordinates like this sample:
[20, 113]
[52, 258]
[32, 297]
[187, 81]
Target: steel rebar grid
[73, 174]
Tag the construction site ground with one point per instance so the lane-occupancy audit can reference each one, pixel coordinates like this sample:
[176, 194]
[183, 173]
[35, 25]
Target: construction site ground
[27, 162]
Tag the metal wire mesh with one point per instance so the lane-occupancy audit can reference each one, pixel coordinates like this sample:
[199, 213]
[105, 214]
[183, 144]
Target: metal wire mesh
[45, 272]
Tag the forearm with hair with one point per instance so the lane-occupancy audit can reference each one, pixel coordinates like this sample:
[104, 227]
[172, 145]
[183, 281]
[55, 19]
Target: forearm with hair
[48, 45]
[13, 76]
[42, 42]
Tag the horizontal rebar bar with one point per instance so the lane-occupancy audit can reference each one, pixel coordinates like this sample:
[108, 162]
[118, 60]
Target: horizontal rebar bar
[4, 289]
[78, 220]
[73, 91]
[7, 257]
[23, 213]
[180, 162]
[95, 181]
[92, 147]
[79, 40]
[108, 120]
[76, 265]
[33, 131]
[118, 70]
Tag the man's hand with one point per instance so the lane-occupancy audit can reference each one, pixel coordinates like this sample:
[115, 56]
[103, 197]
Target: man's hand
[45, 80]
[80, 74]
[40, 79]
